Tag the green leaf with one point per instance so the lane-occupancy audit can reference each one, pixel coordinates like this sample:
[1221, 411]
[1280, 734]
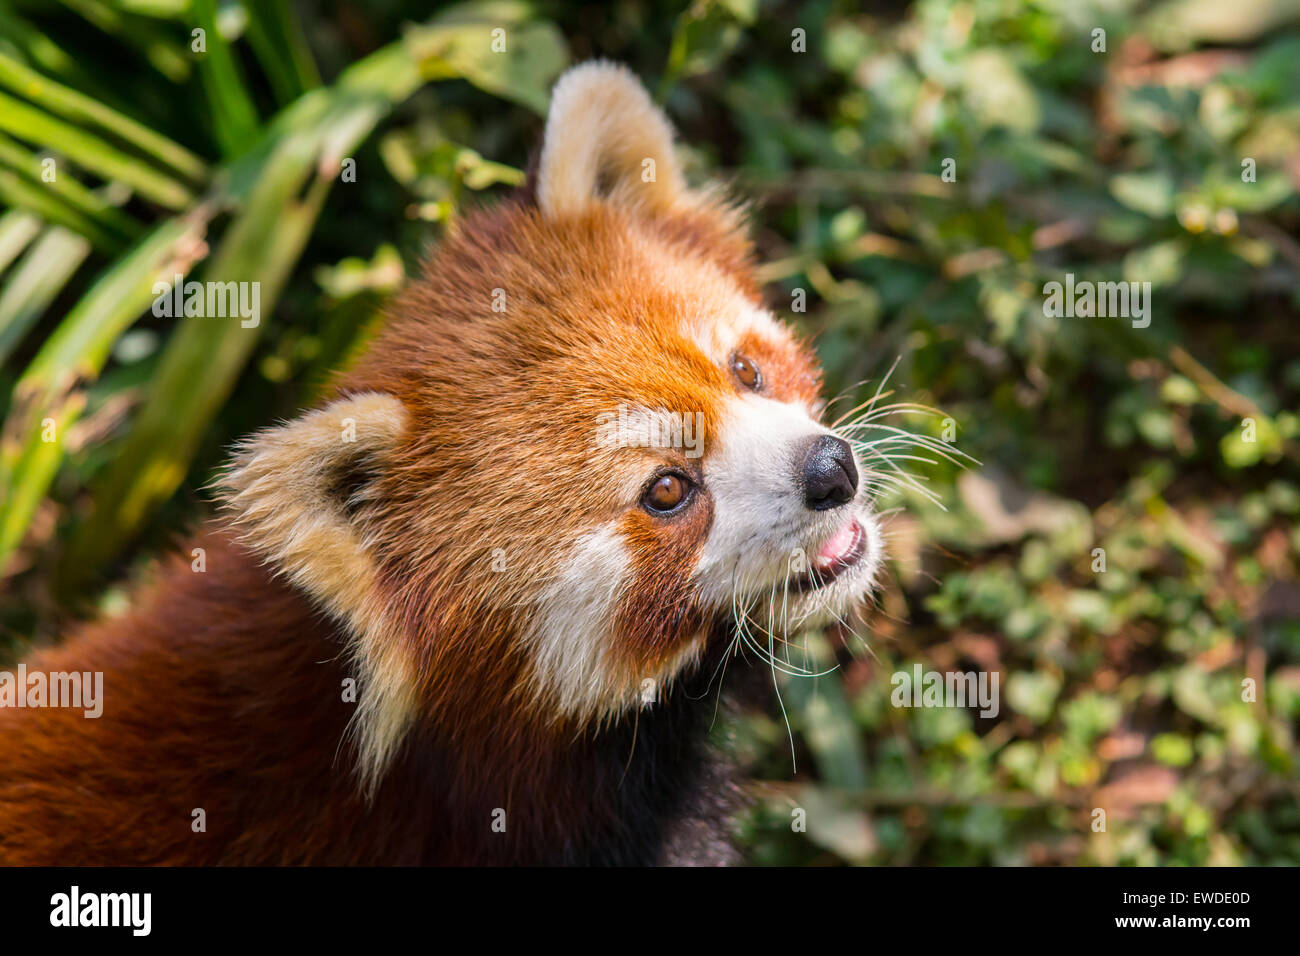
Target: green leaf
[18, 227]
[63, 199]
[50, 394]
[276, 36]
[1174, 750]
[1148, 193]
[1160, 264]
[704, 35]
[1252, 441]
[827, 721]
[78, 108]
[1033, 693]
[91, 152]
[234, 118]
[162, 52]
[35, 281]
[35, 45]
[998, 92]
[1260, 196]
[458, 44]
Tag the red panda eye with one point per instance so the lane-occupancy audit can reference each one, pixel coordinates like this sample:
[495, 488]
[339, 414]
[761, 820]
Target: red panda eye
[667, 492]
[746, 372]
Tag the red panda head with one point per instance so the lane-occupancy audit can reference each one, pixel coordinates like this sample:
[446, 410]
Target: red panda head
[579, 447]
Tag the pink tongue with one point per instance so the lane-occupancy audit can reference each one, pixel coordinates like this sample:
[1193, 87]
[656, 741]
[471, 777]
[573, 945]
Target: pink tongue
[837, 545]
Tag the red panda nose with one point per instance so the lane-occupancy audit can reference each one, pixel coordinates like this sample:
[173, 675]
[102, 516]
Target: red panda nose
[829, 475]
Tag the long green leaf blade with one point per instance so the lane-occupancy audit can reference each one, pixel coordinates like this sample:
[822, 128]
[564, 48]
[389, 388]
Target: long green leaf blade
[78, 108]
[91, 152]
[35, 281]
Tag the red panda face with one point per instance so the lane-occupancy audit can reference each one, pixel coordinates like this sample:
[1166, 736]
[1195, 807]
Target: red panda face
[676, 472]
[582, 448]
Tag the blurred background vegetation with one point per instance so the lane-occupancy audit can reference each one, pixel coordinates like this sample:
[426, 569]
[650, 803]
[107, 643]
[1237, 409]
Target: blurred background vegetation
[1121, 690]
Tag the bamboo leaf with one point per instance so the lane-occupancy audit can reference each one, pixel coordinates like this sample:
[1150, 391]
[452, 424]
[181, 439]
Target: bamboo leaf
[276, 36]
[18, 191]
[90, 152]
[78, 108]
[49, 396]
[35, 281]
[72, 194]
[18, 227]
[163, 53]
[35, 45]
[234, 117]
[277, 187]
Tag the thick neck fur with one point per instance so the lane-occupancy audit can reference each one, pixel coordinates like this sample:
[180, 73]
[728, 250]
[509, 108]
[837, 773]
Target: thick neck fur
[232, 669]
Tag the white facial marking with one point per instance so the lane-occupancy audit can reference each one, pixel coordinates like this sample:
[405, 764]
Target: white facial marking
[634, 426]
[718, 340]
[571, 631]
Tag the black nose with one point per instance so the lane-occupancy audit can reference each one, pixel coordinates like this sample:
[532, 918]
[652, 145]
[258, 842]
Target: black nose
[830, 478]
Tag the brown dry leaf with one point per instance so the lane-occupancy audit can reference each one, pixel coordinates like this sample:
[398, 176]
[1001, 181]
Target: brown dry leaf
[1137, 785]
[1122, 746]
[1008, 511]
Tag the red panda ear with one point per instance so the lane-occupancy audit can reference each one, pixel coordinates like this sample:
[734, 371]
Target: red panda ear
[288, 490]
[292, 492]
[604, 131]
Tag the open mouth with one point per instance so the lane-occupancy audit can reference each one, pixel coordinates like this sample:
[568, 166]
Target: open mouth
[841, 552]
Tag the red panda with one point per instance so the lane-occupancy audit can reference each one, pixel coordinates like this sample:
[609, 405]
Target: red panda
[526, 524]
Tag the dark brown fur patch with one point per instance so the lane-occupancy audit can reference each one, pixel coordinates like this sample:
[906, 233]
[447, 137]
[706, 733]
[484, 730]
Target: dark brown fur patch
[659, 610]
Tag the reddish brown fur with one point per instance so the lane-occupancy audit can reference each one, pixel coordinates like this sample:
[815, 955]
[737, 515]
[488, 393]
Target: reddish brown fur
[376, 561]
[195, 689]
[223, 689]
[186, 683]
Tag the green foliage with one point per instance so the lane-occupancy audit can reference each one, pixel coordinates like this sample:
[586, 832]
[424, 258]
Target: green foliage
[1125, 556]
